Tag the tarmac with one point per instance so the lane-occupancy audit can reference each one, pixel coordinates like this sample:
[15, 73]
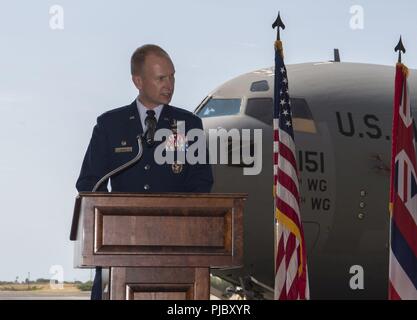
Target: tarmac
[29, 295]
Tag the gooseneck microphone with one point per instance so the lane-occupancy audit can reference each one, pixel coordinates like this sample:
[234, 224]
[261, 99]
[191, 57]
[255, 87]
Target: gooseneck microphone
[124, 166]
[149, 136]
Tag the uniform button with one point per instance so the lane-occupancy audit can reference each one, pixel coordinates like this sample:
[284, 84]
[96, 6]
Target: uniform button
[147, 167]
[146, 187]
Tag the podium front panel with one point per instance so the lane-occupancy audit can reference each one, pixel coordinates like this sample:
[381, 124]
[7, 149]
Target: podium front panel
[141, 230]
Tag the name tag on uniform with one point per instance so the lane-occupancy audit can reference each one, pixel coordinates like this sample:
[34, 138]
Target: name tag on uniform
[123, 149]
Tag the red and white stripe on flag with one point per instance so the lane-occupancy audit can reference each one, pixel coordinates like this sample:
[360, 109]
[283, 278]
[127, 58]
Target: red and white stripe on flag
[403, 196]
[291, 281]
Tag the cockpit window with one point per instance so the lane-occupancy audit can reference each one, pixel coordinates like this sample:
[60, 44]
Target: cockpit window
[259, 86]
[262, 109]
[300, 109]
[219, 107]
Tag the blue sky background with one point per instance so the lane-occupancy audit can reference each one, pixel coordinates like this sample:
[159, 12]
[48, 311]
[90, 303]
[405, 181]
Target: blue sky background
[54, 83]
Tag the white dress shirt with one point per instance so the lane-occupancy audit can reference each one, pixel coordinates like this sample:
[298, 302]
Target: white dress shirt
[142, 112]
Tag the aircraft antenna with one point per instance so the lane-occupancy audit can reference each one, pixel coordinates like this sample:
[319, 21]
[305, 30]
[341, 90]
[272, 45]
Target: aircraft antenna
[399, 48]
[279, 24]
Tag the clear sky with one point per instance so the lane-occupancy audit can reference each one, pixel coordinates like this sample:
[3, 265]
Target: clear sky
[55, 82]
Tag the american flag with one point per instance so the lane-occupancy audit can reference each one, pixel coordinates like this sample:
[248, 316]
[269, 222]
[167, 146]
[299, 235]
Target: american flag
[291, 279]
[403, 196]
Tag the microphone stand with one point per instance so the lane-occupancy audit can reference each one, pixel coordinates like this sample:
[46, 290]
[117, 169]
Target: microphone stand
[124, 166]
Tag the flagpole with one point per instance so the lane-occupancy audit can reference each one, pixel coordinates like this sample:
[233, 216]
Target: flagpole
[277, 24]
[400, 48]
[291, 276]
[403, 229]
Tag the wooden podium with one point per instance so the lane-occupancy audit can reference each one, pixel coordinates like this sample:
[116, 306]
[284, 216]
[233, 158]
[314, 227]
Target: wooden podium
[158, 246]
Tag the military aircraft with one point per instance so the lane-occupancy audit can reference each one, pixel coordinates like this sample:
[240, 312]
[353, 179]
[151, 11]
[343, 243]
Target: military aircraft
[342, 115]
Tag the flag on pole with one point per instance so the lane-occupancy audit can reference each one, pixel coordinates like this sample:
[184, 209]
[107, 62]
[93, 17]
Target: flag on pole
[291, 278]
[403, 195]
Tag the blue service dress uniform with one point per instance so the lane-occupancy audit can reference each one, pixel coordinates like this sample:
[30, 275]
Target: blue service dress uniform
[114, 142]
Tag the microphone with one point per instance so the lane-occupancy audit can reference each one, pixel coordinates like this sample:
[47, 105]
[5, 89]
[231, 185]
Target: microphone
[149, 135]
[150, 123]
[124, 166]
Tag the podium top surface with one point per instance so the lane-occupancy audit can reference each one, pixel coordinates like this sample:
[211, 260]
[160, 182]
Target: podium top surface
[134, 196]
[167, 194]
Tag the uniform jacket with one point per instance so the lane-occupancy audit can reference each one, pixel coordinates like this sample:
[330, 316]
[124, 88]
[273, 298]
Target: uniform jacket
[114, 142]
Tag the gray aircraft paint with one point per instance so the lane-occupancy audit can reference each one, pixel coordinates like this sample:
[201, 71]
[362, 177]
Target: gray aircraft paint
[344, 171]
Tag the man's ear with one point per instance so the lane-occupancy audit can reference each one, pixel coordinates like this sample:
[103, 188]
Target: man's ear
[137, 80]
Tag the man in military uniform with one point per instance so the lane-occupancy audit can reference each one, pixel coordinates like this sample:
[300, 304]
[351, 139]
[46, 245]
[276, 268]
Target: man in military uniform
[114, 138]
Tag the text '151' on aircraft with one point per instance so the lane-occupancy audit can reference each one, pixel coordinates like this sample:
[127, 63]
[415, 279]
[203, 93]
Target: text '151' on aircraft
[342, 117]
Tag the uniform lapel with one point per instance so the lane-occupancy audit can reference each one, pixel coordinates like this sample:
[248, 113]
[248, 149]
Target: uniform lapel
[165, 118]
[134, 123]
